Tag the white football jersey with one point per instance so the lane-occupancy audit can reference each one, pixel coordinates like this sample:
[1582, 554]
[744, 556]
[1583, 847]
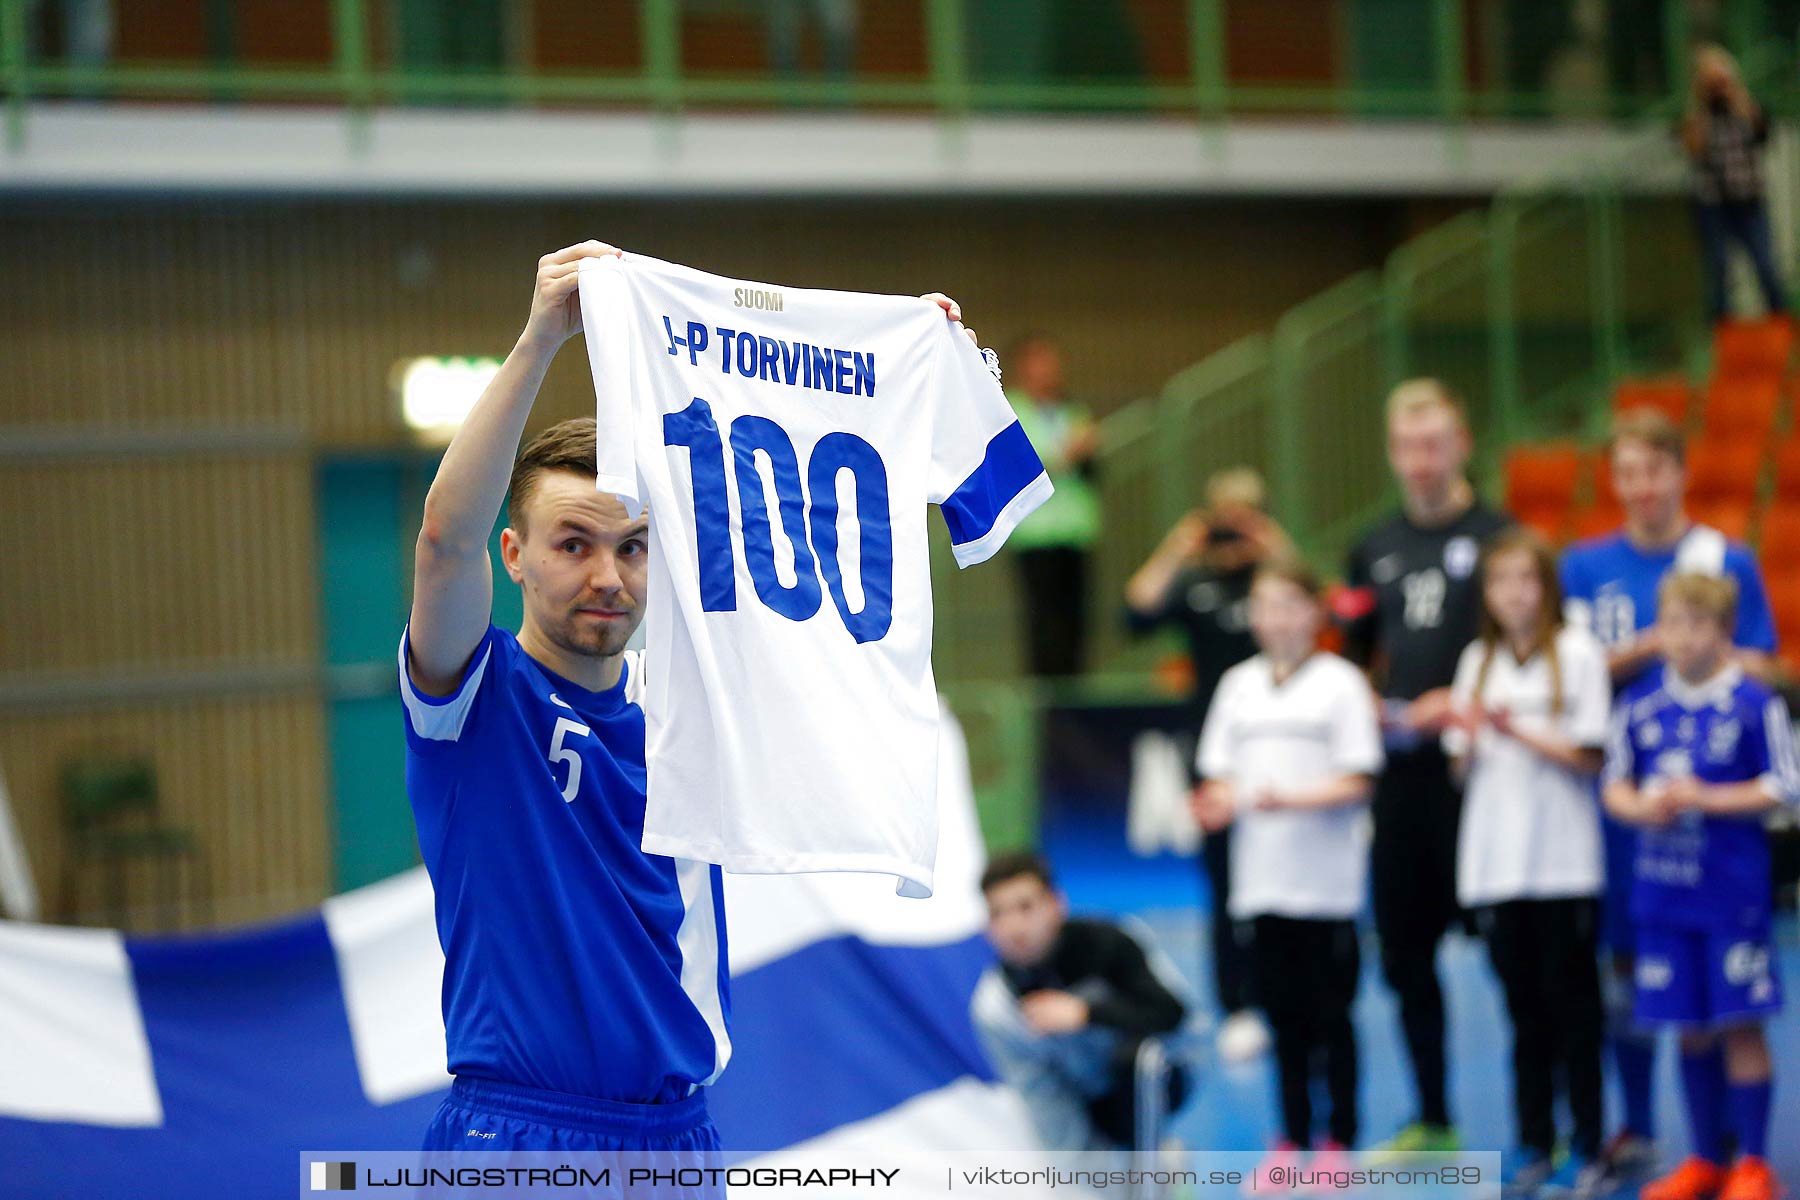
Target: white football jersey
[786, 442]
[1261, 735]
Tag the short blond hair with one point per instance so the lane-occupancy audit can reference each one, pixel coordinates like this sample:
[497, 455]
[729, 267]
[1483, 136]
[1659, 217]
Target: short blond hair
[1236, 485]
[1290, 569]
[1650, 427]
[1714, 595]
[1423, 395]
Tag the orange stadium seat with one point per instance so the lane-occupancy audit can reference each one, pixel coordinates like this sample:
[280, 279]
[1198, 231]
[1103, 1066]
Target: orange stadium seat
[1725, 471]
[1550, 523]
[1752, 348]
[1787, 472]
[1727, 516]
[1671, 395]
[1596, 521]
[1542, 476]
[1604, 496]
[1742, 407]
[1784, 603]
[1778, 543]
[1541, 481]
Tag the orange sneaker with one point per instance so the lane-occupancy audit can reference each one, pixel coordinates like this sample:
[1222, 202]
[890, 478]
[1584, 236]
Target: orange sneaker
[1694, 1179]
[1750, 1178]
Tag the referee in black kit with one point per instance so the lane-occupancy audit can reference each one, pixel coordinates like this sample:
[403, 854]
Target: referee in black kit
[1410, 608]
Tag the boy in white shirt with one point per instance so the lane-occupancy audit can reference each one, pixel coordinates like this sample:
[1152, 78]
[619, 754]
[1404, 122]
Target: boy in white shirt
[1290, 743]
[1532, 701]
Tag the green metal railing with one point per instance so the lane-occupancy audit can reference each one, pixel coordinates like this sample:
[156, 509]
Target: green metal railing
[1530, 308]
[966, 59]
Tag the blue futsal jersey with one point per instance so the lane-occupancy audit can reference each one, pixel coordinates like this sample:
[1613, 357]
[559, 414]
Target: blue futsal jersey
[1610, 584]
[1610, 589]
[573, 961]
[1703, 871]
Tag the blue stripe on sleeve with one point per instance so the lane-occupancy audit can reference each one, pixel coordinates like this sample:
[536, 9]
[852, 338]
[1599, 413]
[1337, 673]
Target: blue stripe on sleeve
[1010, 464]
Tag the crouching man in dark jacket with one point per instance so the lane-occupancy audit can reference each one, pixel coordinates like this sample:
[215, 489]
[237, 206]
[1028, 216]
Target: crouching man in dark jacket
[1064, 1011]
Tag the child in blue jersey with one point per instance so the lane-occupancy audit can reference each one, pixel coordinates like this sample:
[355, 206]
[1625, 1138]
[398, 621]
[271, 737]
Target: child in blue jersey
[1610, 585]
[585, 981]
[1698, 753]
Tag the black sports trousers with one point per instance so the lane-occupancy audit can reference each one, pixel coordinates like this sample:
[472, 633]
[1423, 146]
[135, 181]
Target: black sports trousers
[1545, 953]
[1417, 809]
[1305, 974]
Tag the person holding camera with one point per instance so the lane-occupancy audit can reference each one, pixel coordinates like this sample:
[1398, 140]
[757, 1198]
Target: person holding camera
[1725, 133]
[1199, 579]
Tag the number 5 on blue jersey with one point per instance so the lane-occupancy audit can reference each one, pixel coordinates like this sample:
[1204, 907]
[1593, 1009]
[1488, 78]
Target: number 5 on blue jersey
[562, 753]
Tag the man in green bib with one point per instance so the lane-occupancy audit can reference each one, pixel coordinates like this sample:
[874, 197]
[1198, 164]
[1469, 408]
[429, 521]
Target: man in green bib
[1053, 543]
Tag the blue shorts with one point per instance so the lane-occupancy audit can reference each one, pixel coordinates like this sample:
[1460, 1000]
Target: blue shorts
[1705, 977]
[480, 1114]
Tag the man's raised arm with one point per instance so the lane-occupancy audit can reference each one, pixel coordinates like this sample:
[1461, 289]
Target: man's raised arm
[453, 584]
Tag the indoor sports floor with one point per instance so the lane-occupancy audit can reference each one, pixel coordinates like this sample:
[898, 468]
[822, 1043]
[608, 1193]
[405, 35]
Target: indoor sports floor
[1234, 1110]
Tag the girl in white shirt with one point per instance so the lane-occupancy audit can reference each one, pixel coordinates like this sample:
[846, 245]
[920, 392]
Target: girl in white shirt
[1290, 743]
[1532, 699]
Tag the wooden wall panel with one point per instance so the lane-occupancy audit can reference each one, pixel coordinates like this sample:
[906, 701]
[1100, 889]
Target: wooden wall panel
[145, 562]
[246, 774]
[125, 571]
[255, 313]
